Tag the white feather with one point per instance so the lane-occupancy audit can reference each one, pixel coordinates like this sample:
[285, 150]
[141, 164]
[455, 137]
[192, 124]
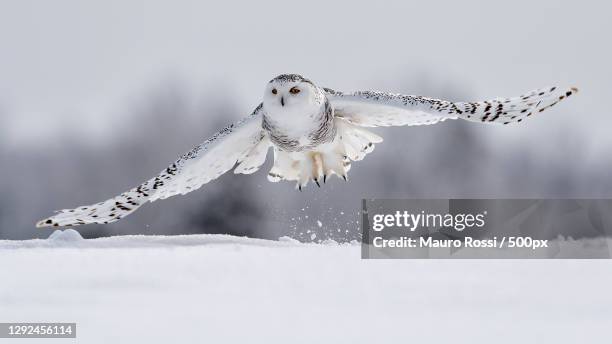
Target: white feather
[202, 164]
[374, 109]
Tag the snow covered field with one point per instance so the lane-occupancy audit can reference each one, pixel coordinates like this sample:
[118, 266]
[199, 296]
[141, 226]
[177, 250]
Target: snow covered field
[215, 288]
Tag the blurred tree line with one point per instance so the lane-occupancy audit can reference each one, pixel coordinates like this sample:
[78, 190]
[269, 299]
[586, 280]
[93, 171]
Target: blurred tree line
[451, 159]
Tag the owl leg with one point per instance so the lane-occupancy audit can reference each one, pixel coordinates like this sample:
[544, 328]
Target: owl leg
[305, 167]
[335, 161]
[314, 165]
[317, 167]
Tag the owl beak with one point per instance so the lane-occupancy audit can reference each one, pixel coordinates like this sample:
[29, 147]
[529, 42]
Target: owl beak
[282, 101]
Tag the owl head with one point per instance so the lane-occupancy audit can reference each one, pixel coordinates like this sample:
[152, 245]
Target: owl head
[291, 94]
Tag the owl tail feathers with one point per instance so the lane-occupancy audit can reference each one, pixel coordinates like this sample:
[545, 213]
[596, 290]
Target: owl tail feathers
[104, 212]
[351, 143]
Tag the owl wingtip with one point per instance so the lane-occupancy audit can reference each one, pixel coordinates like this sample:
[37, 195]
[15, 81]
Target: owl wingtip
[44, 223]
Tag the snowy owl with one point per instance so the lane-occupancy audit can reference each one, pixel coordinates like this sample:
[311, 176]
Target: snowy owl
[314, 132]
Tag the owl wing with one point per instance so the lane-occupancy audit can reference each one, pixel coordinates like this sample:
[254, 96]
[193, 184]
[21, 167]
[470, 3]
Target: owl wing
[244, 143]
[376, 109]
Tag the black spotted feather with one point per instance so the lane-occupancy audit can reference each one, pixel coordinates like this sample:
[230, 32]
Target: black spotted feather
[207, 161]
[373, 109]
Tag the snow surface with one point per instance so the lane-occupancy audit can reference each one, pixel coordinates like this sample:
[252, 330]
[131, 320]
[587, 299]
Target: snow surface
[218, 288]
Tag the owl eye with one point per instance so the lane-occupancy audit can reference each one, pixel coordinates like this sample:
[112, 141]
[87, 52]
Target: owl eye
[294, 90]
[274, 91]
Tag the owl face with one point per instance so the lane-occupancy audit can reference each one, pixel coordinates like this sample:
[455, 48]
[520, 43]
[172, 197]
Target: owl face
[291, 94]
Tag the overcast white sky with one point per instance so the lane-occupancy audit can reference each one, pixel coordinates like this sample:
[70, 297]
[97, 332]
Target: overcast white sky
[76, 64]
